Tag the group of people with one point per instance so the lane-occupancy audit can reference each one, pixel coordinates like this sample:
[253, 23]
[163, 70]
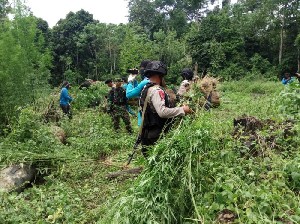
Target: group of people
[155, 111]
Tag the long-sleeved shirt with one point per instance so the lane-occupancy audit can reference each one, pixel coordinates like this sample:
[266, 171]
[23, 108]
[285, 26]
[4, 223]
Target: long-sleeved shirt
[287, 81]
[65, 99]
[128, 108]
[157, 102]
[133, 91]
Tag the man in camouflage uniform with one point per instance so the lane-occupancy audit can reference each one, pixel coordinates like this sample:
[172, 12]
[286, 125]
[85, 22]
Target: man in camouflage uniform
[117, 106]
[155, 106]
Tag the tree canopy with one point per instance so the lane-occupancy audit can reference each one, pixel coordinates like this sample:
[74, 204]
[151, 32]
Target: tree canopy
[227, 40]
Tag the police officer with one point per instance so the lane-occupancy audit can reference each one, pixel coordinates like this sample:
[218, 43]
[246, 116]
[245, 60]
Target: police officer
[154, 105]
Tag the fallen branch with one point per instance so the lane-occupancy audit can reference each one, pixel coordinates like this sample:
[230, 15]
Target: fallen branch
[125, 173]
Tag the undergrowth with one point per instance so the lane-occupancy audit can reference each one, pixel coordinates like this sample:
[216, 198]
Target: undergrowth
[194, 174]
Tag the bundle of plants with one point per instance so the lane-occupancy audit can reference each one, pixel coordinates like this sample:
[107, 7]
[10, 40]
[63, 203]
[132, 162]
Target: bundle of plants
[208, 86]
[202, 93]
[164, 192]
[52, 113]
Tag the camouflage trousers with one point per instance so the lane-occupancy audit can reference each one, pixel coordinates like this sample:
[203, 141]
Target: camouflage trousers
[117, 112]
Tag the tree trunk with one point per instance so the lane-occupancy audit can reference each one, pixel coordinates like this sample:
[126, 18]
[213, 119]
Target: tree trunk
[281, 42]
[196, 69]
[298, 60]
[96, 65]
[110, 56]
[115, 57]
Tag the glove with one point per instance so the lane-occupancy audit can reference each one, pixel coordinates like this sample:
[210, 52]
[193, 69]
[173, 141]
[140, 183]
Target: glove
[131, 77]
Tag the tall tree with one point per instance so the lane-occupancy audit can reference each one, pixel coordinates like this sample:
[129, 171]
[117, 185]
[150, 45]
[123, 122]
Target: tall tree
[144, 13]
[166, 14]
[103, 43]
[297, 44]
[275, 24]
[217, 44]
[24, 63]
[5, 8]
[67, 55]
[135, 48]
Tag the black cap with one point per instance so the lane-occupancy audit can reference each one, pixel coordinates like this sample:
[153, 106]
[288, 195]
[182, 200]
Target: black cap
[187, 74]
[156, 67]
[108, 81]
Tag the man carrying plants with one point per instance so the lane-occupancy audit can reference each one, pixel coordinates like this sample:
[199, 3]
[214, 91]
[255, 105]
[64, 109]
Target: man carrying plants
[117, 105]
[65, 99]
[187, 75]
[154, 104]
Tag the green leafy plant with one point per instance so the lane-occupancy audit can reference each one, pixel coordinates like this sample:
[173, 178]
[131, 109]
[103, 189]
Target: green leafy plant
[290, 101]
[90, 97]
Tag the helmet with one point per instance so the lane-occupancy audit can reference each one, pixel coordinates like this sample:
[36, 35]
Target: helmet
[144, 63]
[155, 67]
[187, 74]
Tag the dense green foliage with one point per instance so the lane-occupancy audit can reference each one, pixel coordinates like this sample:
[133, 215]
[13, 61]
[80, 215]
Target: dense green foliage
[24, 64]
[290, 96]
[229, 41]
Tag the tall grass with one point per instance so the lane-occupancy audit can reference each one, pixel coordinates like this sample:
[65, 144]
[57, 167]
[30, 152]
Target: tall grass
[196, 172]
[164, 193]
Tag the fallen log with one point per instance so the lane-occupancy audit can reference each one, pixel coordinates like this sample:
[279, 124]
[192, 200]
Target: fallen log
[125, 173]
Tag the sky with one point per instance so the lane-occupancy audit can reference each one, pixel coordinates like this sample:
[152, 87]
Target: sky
[106, 11]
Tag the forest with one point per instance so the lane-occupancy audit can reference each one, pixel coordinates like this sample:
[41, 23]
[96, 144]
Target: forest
[237, 163]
